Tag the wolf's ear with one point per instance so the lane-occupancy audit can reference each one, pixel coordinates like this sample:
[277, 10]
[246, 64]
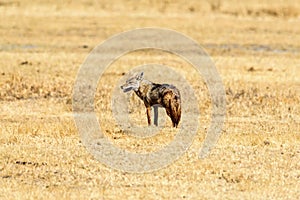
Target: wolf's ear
[140, 76]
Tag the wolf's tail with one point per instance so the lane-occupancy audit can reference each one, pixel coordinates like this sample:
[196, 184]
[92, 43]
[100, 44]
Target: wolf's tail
[175, 110]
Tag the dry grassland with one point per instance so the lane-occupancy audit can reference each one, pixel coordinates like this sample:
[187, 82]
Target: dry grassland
[255, 46]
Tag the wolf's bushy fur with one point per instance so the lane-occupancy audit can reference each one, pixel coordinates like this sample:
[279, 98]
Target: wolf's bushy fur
[153, 94]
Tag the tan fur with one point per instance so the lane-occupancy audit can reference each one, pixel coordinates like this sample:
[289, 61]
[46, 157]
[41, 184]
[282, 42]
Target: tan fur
[165, 95]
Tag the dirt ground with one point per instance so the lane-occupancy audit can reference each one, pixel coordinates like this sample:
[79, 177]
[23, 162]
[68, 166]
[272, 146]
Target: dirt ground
[255, 46]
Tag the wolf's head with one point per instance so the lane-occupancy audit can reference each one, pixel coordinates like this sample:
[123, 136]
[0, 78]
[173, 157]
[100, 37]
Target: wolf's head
[133, 83]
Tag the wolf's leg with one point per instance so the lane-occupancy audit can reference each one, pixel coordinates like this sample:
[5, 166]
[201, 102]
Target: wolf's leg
[155, 115]
[149, 115]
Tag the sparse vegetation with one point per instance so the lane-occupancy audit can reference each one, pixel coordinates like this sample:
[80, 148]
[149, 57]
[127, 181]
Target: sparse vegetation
[255, 46]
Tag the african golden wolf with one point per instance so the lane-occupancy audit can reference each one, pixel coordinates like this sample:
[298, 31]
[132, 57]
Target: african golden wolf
[153, 94]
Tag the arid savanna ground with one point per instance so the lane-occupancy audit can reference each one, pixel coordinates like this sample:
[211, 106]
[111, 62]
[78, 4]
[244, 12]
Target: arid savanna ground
[255, 46]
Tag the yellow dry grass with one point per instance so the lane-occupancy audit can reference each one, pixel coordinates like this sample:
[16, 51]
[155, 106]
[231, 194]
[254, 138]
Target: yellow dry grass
[255, 46]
